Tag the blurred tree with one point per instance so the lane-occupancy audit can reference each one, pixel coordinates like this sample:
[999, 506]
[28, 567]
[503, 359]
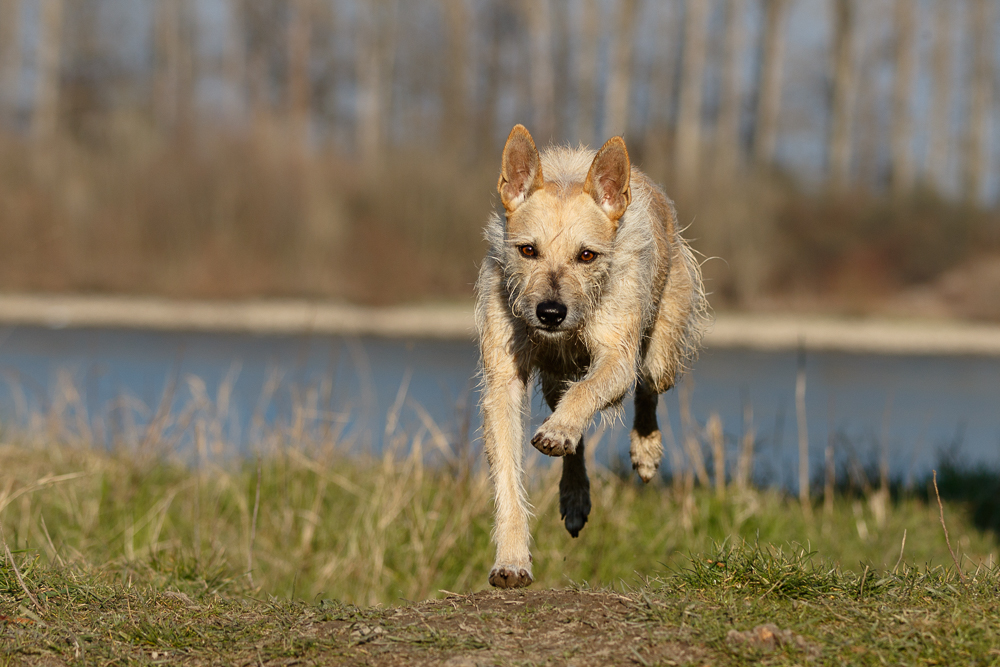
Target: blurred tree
[902, 99]
[299, 84]
[10, 54]
[498, 21]
[562, 77]
[941, 70]
[980, 99]
[769, 81]
[688, 142]
[457, 74]
[727, 137]
[235, 59]
[262, 43]
[586, 71]
[842, 98]
[538, 15]
[173, 87]
[376, 44]
[619, 88]
[663, 77]
[45, 119]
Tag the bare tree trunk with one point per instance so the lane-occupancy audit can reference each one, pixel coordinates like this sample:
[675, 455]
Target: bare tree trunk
[167, 38]
[234, 64]
[727, 139]
[299, 89]
[455, 119]
[868, 132]
[941, 71]
[586, 73]
[538, 14]
[771, 74]
[688, 144]
[562, 77]
[374, 62]
[663, 79]
[902, 99]
[620, 84]
[257, 22]
[497, 16]
[173, 86]
[10, 53]
[980, 98]
[45, 120]
[842, 104]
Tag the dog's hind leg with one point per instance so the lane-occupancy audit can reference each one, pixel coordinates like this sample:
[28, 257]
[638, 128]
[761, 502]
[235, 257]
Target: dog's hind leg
[574, 485]
[646, 448]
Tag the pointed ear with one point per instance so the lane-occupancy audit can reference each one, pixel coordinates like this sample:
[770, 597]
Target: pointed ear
[608, 179]
[520, 169]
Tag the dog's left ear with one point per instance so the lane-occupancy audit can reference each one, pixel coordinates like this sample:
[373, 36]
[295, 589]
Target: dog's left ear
[608, 179]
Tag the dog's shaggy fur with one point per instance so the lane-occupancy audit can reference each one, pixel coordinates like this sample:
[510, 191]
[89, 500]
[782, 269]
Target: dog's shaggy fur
[589, 284]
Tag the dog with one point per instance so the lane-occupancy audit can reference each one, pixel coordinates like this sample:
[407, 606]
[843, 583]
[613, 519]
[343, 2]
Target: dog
[588, 286]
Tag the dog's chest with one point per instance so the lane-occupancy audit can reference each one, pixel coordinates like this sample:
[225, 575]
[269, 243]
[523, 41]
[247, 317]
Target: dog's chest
[568, 359]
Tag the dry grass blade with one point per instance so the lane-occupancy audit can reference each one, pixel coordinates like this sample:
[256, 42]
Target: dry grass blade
[48, 480]
[17, 574]
[715, 436]
[800, 414]
[253, 527]
[901, 548]
[958, 566]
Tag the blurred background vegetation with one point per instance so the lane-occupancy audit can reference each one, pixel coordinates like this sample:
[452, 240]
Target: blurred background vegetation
[828, 155]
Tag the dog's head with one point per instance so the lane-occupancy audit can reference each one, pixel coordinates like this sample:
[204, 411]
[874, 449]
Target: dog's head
[559, 235]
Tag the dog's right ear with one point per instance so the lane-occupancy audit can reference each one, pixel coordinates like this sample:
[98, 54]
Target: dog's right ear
[520, 169]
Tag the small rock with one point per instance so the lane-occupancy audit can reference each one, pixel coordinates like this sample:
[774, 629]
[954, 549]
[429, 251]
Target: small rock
[768, 637]
[363, 633]
[461, 661]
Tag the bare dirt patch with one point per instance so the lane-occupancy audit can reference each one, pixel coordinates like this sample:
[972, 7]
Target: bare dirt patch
[572, 627]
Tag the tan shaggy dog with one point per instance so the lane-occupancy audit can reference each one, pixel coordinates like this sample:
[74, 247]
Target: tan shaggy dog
[589, 284]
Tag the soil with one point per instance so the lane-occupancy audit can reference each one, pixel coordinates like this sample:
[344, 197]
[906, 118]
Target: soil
[571, 627]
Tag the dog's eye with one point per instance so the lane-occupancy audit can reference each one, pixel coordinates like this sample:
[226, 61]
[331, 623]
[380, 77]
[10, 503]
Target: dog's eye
[588, 256]
[528, 250]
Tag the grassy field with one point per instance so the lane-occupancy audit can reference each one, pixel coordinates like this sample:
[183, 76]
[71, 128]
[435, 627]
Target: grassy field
[308, 554]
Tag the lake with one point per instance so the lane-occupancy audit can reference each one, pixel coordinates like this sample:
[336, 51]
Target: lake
[113, 382]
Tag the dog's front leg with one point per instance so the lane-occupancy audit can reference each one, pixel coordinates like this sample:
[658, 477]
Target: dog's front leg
[611, 374]
[504, 393]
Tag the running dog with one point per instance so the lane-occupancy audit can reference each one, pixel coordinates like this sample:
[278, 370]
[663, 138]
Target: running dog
[589, 286]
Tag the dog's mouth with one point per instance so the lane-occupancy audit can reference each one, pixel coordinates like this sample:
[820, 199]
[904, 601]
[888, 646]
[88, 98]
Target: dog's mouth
[552, 331]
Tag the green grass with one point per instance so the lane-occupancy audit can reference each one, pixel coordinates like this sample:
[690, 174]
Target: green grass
[740, 604]
[329, 525]
[133, 555]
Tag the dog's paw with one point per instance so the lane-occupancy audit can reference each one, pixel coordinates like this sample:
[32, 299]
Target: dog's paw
[646, 452]
[556, 440]
[574, 508]
[510, 576]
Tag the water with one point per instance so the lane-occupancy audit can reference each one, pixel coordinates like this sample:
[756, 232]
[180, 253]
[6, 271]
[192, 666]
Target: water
[915, 406]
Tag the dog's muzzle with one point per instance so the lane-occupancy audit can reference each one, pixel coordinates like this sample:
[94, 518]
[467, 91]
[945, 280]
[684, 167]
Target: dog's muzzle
[550, 313]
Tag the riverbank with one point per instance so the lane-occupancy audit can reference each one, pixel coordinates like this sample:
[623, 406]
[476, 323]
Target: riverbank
[455, 321]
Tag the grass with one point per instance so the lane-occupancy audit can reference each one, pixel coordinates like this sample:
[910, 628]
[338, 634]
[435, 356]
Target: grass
[306, 552]
[374, 531]
[743, 604]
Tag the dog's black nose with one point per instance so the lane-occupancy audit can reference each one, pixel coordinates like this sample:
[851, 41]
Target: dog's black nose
[550, 313]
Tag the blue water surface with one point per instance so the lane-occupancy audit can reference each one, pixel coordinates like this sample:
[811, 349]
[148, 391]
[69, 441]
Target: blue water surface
[912, 409]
